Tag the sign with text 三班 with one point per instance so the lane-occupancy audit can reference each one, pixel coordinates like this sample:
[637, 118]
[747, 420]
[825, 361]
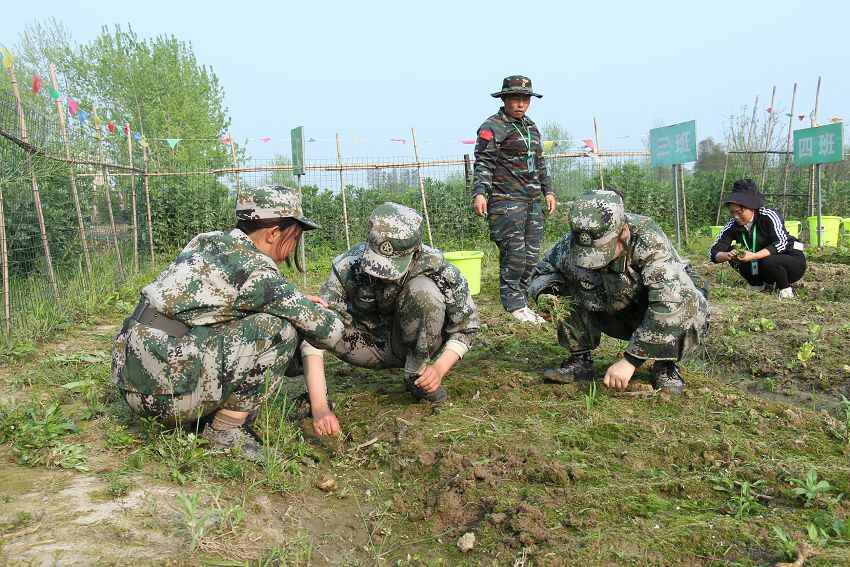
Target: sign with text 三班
[822, 144]
[297, 135]
[671, 145]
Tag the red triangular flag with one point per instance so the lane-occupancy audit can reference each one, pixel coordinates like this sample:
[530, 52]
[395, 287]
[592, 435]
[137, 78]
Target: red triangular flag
[111, 127]
[225, 139]
[126, 128]
[468, 142]
[265, 139]
[72, 106]
[36, 84]
[769, 109]
[588, 143]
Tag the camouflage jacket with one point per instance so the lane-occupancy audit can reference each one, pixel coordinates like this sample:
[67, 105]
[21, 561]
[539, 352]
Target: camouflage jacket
[649, 269]
[371, 303]
[222, 276]
[501, 160]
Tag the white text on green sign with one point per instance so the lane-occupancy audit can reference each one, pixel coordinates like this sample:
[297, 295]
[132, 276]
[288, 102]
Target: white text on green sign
[822, 144]
[674, 144]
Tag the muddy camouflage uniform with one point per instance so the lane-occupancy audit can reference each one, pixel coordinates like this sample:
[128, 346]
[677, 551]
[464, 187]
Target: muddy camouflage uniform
[513, 190]
[648, 296]
[399, 300]
[245, 323]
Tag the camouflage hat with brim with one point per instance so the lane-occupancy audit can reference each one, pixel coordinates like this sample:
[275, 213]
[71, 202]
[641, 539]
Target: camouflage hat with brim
[516, 85]
[395, 234]
[271, 202]
[596, 219]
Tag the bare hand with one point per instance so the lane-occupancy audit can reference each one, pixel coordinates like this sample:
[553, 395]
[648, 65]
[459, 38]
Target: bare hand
[317, 300]
[745, 256]
[618, 375]
[430, 379]
[325, 422]
[551, 203]
[722, 257]
[479, 205]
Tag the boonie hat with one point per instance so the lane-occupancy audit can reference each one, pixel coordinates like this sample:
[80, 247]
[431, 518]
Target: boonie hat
[596, 219]
[516, 85]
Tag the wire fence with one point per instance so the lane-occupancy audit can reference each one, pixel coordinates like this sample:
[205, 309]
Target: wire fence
[81, 209]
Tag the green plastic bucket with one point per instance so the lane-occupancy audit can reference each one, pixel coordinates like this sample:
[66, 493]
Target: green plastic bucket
[469, 264]
[793, 227]
[715, 231]
[845, 226]
[829, 236]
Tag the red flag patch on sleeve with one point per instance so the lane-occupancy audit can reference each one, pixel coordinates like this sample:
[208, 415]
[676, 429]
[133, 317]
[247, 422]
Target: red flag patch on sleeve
[485, 134]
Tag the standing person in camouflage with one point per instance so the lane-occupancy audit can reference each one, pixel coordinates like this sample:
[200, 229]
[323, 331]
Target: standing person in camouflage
[510, 176]
[622, 277]
[221, 322]
[401, 303]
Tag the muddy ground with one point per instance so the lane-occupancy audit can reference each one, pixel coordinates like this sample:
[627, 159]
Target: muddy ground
[746, 467]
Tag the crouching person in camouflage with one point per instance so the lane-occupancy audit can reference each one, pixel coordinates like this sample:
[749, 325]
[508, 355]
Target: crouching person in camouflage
[221, 324]
[401, 303]
[622, 277]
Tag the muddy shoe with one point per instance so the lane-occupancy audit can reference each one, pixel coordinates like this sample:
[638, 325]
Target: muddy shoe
[239, 440]
[436, 397]
[667, 377]
[577, 367]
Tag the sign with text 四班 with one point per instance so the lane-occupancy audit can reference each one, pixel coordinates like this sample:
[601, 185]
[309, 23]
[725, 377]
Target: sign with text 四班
[671, 145]
[821, 144]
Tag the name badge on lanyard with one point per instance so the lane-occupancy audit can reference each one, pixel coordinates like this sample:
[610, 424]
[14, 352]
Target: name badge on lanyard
[754, 265]
[530, 161]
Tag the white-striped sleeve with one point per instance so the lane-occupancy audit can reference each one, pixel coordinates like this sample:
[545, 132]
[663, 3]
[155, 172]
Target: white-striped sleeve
[781, 236]
[719, 237]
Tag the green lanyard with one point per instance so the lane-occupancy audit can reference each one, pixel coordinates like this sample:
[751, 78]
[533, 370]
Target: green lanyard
[531, 165]
[744, 238]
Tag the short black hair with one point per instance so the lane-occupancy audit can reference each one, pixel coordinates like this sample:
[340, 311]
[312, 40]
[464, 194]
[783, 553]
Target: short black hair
[745, 186]
[253, 225]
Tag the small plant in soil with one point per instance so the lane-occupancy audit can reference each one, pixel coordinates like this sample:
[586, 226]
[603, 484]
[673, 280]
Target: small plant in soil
[810, 488]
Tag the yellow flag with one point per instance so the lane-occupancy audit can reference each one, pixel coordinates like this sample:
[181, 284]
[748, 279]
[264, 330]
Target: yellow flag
[7, 59]
[547, 145]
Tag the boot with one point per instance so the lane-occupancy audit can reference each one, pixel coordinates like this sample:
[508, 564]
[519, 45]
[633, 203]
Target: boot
[667, 378]
[576, 367]
[238, 439]
[436, 397]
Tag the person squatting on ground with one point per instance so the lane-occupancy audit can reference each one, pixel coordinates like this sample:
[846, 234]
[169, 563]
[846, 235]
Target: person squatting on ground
[622, 277]
[401, 303]
[768, 255]
[509, 177]
[220, 325]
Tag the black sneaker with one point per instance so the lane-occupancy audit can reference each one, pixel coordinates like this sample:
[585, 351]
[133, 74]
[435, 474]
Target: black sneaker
[667, 378]
[578, 367]
[437, 396]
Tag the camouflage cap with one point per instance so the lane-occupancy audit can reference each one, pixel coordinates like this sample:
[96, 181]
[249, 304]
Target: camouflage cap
[271, 202]
[596, 219]
[394, 236]
[516, 85]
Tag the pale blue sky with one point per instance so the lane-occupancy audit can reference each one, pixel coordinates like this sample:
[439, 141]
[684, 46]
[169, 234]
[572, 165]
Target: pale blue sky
[371, 70]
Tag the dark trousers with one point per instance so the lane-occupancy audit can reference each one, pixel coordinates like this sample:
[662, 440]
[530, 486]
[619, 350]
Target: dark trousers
[780, 270]
[517, 228]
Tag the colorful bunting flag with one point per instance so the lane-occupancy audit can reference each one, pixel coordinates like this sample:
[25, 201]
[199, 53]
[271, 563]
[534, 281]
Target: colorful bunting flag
[111, 127]
[83, 116]
[836, 119]
[126, 129]
[398, 140]
[54, 94]
[72, 106]
[137, 136]
[172, 142]
[468, 142]
[225, 139]
[547, 145]
[36, 84]
[143, 142]
[801, 117]
[769, 109]
[588, 143]
[97, 121]
[789, 115]
[265, 139]
[311, 139]
[7, 59]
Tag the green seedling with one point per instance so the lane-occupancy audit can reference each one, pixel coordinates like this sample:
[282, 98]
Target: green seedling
[810, 488]
[738, 249]
[590, 397]
[805, 352]
[787, 545]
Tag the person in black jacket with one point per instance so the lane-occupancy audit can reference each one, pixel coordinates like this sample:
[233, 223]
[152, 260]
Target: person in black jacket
[768, 255]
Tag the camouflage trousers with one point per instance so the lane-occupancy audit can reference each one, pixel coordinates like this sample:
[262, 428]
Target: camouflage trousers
[225, 366]
[517, 229]
[409, 340]
[581, 330]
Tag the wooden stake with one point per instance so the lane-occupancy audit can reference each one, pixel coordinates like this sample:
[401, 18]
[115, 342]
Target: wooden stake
[812, 169]
[4, 258]
[788, 153]
[146, 186]
[133, 200]
[235, 165]
[597, 149]
[421, 186]
[63, 126]
[751, 133]
[108, 192]
[684, 200]
[342, 192]
[770, 124]
[722, 188]
[36, 196]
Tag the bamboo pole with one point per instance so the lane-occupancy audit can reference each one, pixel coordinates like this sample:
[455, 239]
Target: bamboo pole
[752, 130]
[108, 193]
[63, 127]
[770, 124]
[812, 170]
[722, 188]
[4, 259]
[133, 210]
[788, 153]
[684, 200]
[36, 196]
[146, 185]
[421, 186]
[598, 155]
[342, 192]
[235, 165]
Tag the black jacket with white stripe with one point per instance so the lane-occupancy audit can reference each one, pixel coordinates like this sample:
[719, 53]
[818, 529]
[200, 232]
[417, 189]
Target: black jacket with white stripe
[770, 234]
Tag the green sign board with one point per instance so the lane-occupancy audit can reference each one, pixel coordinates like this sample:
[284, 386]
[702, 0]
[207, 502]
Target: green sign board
[822, 144]
[297, 135]
[674, 144]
